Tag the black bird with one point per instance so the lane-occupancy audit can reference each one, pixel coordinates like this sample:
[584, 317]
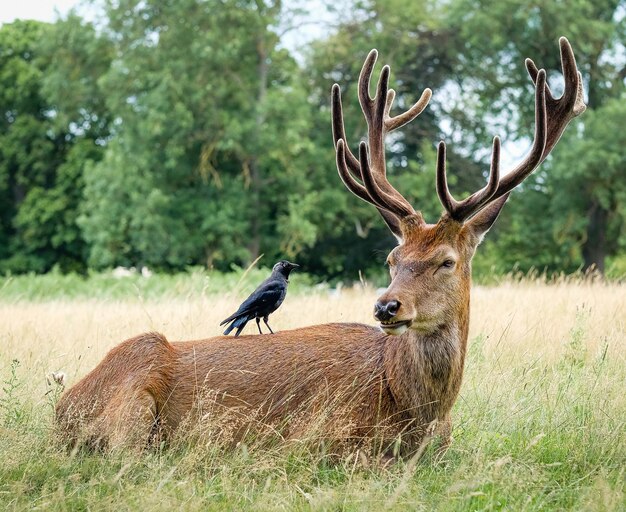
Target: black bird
[264, 300]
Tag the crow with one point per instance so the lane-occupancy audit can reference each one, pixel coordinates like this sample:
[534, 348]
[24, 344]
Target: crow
[264, 300]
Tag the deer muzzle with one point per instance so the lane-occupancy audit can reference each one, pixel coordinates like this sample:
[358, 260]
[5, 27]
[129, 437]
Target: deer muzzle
[385, 312]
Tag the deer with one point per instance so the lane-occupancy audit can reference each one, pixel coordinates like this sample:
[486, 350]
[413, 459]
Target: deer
[395, 382]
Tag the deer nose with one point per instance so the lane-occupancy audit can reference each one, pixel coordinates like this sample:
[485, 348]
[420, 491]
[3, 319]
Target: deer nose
[384, 311]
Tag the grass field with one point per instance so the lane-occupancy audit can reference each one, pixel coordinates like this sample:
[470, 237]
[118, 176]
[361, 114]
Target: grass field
[540, 423]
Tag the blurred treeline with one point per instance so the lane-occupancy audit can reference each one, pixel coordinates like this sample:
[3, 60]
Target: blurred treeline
[181, 133]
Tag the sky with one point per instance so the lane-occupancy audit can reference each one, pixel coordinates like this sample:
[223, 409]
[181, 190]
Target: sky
[42, 10]
[50, 10]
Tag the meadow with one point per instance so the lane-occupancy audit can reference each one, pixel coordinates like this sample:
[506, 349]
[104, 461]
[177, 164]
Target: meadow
[540, 423]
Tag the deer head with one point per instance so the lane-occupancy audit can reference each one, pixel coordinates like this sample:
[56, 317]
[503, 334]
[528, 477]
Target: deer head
[431, 267]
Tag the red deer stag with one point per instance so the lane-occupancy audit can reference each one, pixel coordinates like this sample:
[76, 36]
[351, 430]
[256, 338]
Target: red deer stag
[397, 381]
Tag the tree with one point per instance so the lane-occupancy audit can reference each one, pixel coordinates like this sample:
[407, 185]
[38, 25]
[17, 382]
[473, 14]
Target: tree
[207, 159]
[590, 179]
[499, 35]
[184, 133]
[44, 142]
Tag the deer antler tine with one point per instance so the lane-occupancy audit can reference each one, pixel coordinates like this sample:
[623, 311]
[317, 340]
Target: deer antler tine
[541, 114]
[408, 116]
[482, 197]
[360, 191]
[351, 184]
[369, 181]
[573, 93]
[570, 71]
[364, 80]
[475, 202]
[539, 142]
[395, 205]
[532, 69]
[494, 170]
[579, 106]
[381, 93]
[462, 210]
[536, 153]
[339, 129]
[371, 191]
[337, 114]
[391, 95]
[443, 192]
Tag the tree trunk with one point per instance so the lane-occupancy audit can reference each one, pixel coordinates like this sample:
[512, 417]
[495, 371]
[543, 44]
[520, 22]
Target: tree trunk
[254, 245]
[594, 248]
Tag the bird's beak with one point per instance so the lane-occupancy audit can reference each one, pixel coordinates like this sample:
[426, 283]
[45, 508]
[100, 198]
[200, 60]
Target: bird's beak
[294, 265]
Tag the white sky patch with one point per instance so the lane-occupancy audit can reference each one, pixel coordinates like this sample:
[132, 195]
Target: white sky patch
[302, 26]
[41, 10]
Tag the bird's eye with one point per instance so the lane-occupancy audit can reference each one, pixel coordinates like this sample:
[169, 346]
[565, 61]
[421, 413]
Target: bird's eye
[448, 264]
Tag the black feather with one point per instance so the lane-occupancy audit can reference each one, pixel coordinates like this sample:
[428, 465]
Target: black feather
[263, 301]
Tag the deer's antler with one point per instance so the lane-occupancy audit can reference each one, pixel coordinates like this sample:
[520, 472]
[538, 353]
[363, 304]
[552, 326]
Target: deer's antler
[367, 177]
[551, 117]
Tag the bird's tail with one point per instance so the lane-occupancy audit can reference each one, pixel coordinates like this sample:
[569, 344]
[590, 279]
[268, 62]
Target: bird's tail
[226, 320]
[237, 322]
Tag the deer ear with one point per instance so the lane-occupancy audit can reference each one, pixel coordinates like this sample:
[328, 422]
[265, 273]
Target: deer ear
[480, 223]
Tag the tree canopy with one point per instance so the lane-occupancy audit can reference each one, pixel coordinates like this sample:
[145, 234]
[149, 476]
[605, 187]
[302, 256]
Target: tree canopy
[175, 134]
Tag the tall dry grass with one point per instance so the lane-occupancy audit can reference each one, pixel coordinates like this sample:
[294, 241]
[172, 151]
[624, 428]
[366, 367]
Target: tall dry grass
[515, 319]
[540, 422]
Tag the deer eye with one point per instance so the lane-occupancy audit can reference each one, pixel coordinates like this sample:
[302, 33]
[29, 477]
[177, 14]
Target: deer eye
[447, 264]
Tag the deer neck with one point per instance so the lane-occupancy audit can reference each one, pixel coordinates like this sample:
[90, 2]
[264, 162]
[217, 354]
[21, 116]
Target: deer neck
[424, 370]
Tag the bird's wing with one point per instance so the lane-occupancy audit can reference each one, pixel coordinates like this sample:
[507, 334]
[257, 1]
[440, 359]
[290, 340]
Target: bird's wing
[269, 291]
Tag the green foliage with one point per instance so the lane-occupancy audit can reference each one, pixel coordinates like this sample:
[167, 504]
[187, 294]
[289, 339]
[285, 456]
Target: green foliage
[616, 268]
[105, 285]
[576, 208]
[595, 163]
[185, 133]
[575, 351]
[209, 159]
[43, 145]
[13, 411]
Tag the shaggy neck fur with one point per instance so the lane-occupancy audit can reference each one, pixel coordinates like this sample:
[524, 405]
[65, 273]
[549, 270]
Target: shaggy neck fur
[427, 369]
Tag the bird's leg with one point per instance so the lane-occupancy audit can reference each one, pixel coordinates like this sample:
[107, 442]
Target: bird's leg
[258, 324]
[268, 325]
